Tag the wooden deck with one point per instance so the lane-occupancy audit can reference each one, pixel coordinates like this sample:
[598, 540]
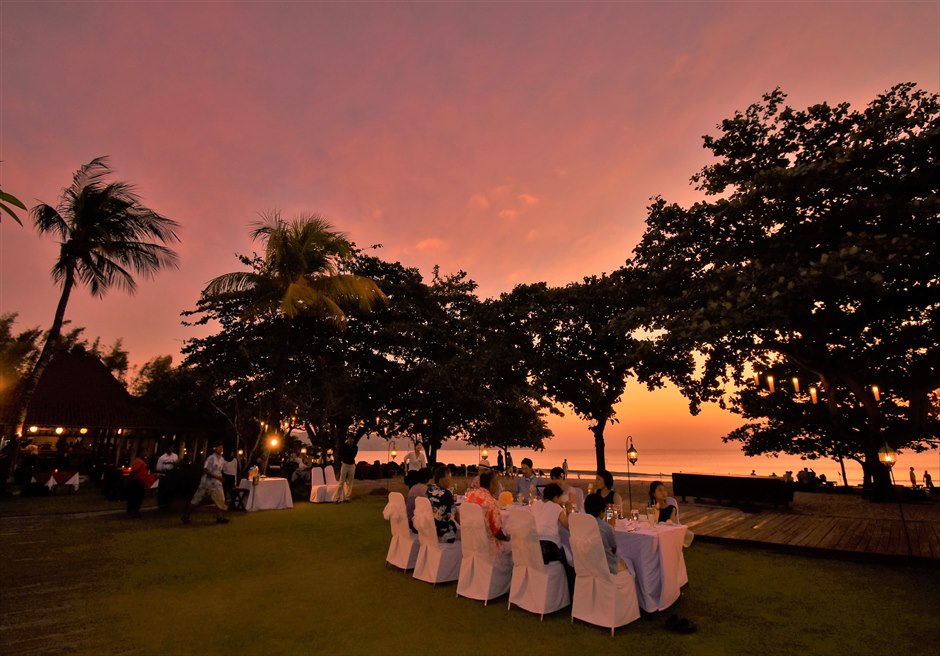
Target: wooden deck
[882, 537]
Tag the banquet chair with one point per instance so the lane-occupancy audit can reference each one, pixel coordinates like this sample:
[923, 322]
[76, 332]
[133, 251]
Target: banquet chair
[535, 587]
[485, 568]
[600, 598]
[403, 549]
[686, 541]
[675, 504]
[322, 488]
[436, 562]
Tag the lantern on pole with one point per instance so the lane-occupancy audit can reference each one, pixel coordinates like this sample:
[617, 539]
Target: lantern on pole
[632, 457]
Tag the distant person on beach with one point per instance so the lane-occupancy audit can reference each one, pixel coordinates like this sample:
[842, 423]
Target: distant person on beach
[564, 467]
[665, 512]
[442, 504]
[913, 478]
[753, 472]
[210, 486]
[604, 488]
[595, 506]
[527, 484]
[348, 451]
[415, 460]
[509, 462]
[499, 462]
[928, 481]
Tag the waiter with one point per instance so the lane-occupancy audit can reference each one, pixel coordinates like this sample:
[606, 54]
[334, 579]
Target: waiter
[168, 473]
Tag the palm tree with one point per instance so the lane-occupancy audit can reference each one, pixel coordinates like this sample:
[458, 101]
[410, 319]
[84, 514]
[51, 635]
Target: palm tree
[300, 272]
[106, 236]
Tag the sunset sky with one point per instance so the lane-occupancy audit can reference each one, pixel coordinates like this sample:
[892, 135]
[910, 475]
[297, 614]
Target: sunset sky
[519, 142]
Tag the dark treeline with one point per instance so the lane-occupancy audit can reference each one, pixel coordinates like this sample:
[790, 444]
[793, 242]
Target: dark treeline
[801, 293]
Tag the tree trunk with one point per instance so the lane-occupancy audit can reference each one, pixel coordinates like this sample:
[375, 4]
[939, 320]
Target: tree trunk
[598, 430]
[45, 357]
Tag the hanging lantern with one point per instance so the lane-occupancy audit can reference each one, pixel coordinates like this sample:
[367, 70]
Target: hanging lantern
[796, 384]
[887, 456]
[812, 395]
[770, 383]
[876, 392]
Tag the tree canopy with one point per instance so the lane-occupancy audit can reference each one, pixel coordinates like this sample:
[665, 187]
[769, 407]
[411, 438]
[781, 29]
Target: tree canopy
[814, 257]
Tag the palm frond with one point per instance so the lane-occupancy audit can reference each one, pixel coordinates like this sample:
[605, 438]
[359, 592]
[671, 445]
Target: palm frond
[48, 219]
[6, 198]
[348, 288]
[237, 281]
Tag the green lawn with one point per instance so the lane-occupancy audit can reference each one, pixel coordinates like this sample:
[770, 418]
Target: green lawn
[313, 579]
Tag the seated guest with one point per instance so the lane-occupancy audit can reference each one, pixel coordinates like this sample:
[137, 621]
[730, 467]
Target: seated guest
[550, 517]
[417, 487]
[604, 487]
[484, 495]
[442, 504]
[665, 513]
[594, 505]
[527, 484]
[572, 498]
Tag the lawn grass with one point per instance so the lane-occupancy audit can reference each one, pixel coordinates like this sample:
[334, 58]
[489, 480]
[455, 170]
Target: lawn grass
[313, 578]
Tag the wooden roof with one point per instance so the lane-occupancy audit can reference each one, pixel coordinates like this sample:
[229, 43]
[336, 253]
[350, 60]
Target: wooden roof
[79, 391]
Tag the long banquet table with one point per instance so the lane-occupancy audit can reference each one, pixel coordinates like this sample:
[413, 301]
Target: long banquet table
[656, 554]
[268, 494]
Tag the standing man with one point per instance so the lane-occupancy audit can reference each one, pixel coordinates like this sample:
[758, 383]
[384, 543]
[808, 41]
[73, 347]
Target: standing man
[527, 485]
[167, 472]
[138, 482]
[500, 464]
[913, 478]
[347, 471]
[229, 476]
[210, 485]
[415, 461]
[564, 468]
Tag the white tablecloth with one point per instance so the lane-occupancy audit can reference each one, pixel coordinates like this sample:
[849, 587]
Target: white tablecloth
[268, 494]
[657, 557]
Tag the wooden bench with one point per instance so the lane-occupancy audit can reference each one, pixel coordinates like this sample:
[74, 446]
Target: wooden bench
[736, 489]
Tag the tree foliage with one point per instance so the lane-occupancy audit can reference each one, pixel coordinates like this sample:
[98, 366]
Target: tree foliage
[815, 257]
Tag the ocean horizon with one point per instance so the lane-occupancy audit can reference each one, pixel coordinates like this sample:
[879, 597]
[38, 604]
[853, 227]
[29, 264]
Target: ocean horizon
[656, 463]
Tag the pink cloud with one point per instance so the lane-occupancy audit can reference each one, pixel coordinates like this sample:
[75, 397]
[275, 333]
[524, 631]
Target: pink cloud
[431, 244]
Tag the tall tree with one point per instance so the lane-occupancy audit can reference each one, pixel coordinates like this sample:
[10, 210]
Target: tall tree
[302, 277]
[815, 255]
[585, 341]
[106, 238]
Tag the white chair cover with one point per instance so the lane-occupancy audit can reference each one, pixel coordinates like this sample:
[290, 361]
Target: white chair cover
[535, 587]
[687, 541]
[321, 488]
[330, 475]
[600, 598]
[436, 562]
[403, 549]
[485, 568]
